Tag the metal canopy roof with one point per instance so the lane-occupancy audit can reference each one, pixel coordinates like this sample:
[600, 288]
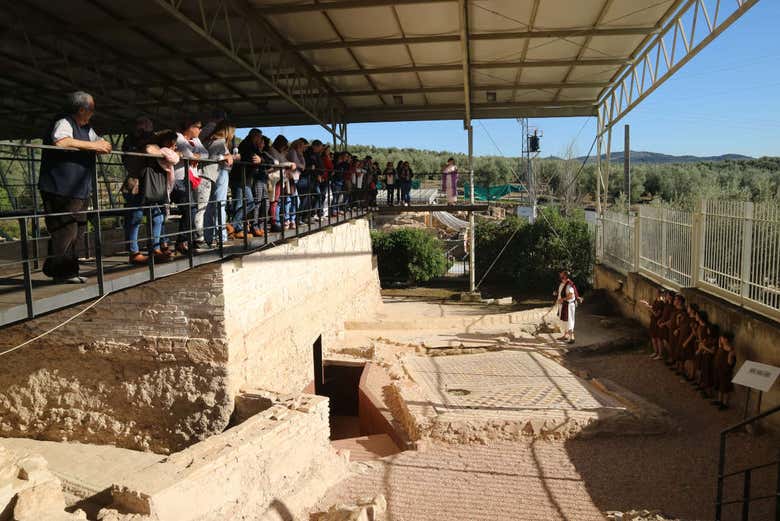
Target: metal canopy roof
[277, 62]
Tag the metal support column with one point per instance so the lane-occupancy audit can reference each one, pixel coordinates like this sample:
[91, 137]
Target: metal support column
[605, 177]
[472, 232]
[627, 166]
[599, 144]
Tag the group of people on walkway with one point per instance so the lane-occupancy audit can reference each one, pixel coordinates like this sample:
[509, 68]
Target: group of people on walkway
[697, 350]
[219, 189]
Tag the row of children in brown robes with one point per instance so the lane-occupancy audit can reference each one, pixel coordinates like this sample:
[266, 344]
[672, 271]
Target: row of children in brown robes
[684, 339]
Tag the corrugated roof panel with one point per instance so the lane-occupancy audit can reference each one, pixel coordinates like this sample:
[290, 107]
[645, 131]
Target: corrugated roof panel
[408, 99]
[579, 93]
[543, 74]
[634, 13]
[436, 53]
[534, 95]
[344, 83]
[441, 78]
[554, 48]
[493, 76]
[500, 15]
[362, 101]
[304, 28]
[384, 56]
[406, 80]
[496, 50]
[612, 46]
[444, 98]
[554, 14]
[330, 59]
[593, 73]
[422, 19]
[365, 22]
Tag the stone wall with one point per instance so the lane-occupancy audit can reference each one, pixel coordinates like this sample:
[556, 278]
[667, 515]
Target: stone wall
[316, 284]
[755, 337]
[156, 367]
[275, 465]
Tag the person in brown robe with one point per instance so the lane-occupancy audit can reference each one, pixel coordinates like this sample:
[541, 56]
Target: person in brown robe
[723, 369]
[708, 346]
[700, 330]
[665, 325]
[675, 341]
[688, 336]
[655, 313]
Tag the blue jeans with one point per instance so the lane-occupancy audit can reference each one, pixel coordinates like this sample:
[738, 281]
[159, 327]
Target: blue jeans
[219, 192]
[406, 190]
[338, 197]
[133, 220]
[321, 191]
[241, 206]
[288, 203]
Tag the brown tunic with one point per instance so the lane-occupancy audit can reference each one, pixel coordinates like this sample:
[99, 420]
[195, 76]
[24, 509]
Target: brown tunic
[722, 371]
[707, 366]
[655, 314]
[675, 341]
[685, 352]
[664, 331]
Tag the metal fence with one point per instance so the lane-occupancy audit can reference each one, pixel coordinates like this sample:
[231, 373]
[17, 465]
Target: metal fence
[616, 244]
[726, 248]
[107, 262]
[665, 244]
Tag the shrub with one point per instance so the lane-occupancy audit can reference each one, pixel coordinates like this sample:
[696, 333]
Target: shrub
[409, 254]
[537, 252]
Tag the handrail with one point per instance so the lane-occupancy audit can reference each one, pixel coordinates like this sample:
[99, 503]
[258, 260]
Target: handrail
[746, 499]
[750, 420]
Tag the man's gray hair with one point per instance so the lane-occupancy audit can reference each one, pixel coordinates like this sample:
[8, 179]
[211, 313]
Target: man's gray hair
[79, 100]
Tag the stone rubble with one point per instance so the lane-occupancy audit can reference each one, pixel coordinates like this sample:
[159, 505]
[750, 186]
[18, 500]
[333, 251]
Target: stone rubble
[30, 491]
[365, 510]
[638, 515]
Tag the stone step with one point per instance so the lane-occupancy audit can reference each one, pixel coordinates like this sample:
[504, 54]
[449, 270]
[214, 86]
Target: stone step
[463, 323]
[366, 448]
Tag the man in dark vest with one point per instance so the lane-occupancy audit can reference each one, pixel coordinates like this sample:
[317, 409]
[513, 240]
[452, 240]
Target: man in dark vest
[66, 183]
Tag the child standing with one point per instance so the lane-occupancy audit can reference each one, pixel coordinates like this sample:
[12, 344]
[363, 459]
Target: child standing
[725, 359]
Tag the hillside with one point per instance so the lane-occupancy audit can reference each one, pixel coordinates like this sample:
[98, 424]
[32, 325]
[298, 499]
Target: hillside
[638, 156]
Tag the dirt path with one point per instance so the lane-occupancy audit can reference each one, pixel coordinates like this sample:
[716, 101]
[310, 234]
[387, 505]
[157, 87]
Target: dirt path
[675, 472]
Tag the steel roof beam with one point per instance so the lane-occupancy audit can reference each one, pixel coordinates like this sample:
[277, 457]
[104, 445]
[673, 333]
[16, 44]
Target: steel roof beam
[514, 35]
[601, 62]
[339, 5]
[316, 100]
[662, 57]
[465, 49]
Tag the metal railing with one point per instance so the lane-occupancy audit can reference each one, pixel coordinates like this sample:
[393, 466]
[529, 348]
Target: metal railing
[746, 500]
[26, 293]
[729, 249]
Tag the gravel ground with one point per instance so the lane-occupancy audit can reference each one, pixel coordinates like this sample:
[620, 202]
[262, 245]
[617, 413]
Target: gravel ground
[676, 472]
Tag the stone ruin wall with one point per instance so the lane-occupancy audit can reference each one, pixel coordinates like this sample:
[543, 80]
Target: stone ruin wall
[156, 367]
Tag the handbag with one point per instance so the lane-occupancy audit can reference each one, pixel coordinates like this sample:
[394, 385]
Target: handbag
[194, 178]
[154, 185]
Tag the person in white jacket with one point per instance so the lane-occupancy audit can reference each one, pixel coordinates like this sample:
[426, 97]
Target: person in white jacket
[186, 171]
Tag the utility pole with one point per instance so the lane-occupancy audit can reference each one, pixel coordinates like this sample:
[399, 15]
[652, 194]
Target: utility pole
[529, 175]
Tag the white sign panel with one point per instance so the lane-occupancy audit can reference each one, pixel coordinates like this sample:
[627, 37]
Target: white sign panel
[756, 375]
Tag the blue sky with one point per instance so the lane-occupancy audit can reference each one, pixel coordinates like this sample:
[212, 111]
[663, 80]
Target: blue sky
[724, 101]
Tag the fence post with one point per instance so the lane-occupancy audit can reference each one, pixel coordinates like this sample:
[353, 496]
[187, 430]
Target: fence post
[697, 239]
[747, 249]
[664, 243]
[637, 240]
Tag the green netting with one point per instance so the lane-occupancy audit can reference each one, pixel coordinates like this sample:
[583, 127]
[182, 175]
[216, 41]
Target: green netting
[492, 193]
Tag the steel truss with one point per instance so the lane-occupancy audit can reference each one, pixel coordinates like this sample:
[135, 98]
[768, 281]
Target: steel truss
[683, 36]
[267, 56]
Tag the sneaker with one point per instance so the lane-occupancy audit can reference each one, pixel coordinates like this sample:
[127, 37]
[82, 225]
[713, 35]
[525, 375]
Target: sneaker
[257, 232]
[183, 248]
[230, 229]
[239, 235]
[201, 246]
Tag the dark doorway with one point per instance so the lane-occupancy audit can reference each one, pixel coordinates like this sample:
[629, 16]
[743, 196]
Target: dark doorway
[319, 375]
[340, 385]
